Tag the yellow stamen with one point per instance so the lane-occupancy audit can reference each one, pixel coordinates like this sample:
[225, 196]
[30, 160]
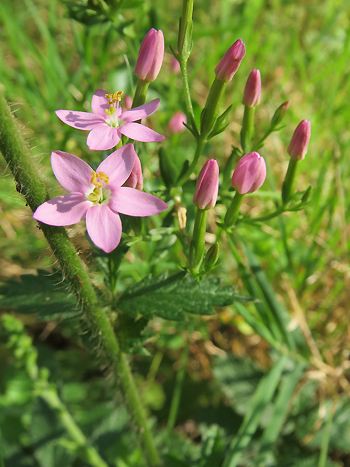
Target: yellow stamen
[114, 97]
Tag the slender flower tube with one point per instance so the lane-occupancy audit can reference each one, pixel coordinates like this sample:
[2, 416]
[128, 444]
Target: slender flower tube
[108, 121]
[176, 123]
[298, 145]
[252, 90]
[229, 64]
[205, 197]
[98, 196]
[248, 176]
[207, 185]
[297, 150]
[151, 56]
[135, 179]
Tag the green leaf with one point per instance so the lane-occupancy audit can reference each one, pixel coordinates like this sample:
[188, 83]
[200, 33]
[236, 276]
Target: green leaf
[43, 293]
[171, 297]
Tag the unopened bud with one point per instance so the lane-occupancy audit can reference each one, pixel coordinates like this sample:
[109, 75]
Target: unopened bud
[151, 56]
[207, 185]
[249, 174]
[229, 64]
[298, 145]
[252, 90]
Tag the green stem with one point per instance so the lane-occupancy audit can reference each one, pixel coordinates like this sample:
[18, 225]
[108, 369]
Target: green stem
[140, 93]
[233, 210]
[288, 180]
[187, 93]
[198, 240]
[1, 450]
[210, 111]
[175, 401]
[247, 131]
[186, 175]
[49, 394]
[16, 154]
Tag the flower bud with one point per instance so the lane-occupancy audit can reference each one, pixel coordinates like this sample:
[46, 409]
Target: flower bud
[176, 123]
[151, 56]
[230, 62]
[175, 65]
[135, 179]
[279, 114]
[249, 174]
[127, 102]
[299, 143]
[252, 90]
[207, 185]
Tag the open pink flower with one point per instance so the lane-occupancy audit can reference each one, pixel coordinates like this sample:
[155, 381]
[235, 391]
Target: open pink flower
[108, 121]
[98, 196]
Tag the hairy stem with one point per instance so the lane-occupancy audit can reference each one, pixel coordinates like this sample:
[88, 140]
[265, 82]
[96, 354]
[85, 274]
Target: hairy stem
[30, 184]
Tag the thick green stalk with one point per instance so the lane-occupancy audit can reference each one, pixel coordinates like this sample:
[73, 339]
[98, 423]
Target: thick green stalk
[140, 93]
[287, 185]
[233, 210]
[29, 183]
[247, 131]
[210, 111]
[187, 93]
[198, 240]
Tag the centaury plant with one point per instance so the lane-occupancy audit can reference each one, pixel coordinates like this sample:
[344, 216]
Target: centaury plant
[159, 270]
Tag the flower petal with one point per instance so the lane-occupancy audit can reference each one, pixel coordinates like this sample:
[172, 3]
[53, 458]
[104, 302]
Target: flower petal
[138, 113]
[72, 173]
[63, 210]
[140, 132]
[104, 227]
[118, 165]
[136, 203]
[99, 103]
[79, 120]
[103, 137]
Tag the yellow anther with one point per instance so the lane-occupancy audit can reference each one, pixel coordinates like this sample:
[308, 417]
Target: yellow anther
[103, 177]
[114, 97]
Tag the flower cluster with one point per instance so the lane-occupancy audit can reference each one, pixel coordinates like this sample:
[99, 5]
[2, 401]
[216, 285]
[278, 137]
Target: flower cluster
[114, 188]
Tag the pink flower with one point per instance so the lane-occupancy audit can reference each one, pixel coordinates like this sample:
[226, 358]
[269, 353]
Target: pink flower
[229, 64]
[98, 196]
[298, 145]
[135, 179]
[108, 121]
[176, 123]
[207, 186]
[252, 90]
[249, 174]
[151, 54]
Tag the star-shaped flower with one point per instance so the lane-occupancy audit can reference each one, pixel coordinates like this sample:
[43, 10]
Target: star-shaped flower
[98, 196]
[108, 121]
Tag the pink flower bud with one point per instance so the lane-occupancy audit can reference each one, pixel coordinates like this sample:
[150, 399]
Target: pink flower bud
[207, 186]
[252, 90]
[298, 145]
[176, 123]
[135, 179]
[249, 174]
[127, 102]
[151, 56]
[230, 62]
[174, 65]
